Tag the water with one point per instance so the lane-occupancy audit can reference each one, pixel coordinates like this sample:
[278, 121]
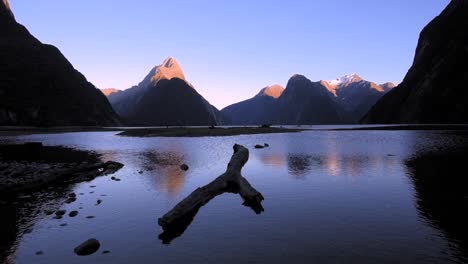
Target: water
[330, 197]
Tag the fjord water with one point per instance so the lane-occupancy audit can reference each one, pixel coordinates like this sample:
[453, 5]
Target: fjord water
[330, 197]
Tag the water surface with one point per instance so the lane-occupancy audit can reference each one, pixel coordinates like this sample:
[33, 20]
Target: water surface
[330, 197]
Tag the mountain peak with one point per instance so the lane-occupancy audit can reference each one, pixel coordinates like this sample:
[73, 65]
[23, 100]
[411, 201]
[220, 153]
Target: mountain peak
[109, 91]
[274, 91]
[347, 79]
[5, 8]
[388, 86]
[167, 70]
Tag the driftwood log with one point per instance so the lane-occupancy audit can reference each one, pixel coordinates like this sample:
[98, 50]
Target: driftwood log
[179, 218]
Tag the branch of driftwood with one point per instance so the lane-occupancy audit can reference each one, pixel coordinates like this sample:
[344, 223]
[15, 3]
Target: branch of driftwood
[179, 218]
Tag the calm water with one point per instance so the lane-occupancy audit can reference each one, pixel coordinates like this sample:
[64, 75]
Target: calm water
[330, 197]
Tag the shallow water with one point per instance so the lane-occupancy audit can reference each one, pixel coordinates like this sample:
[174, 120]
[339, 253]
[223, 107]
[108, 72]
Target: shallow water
[330, 197]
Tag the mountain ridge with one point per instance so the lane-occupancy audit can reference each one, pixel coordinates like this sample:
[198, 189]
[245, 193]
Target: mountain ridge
[40, 87]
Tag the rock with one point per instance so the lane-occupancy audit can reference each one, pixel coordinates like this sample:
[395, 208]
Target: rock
[88, 247]
[106, 252]
[72, 195]
[98, 202]
[70, 200]
[49, 212]
[58, 217]
[60, 212]
[40, 252]
[73, 213]
[259, 146]
[184, 167]
[140, 172]
[266, 145]
[92, 186]
[64, 224]
[90, 217]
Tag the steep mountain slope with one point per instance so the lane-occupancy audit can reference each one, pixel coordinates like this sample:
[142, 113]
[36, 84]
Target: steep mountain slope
[164, 97]
[260, 109]
[435, 89]
[39, 87]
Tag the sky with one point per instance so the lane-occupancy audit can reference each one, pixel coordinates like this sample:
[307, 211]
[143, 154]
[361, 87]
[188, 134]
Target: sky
[230, 49]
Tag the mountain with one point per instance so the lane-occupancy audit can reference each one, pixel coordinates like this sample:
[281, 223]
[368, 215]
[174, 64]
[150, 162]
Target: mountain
[164, 97]
[356, 96]
[344, 100]
[259, 109]
[435, 89]
[109, 91]
[39, 86]
[304, 102]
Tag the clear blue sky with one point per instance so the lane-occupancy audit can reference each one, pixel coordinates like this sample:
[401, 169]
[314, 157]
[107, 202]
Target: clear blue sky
[231, 49]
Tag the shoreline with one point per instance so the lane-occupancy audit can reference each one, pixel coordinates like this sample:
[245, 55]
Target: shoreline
[191, 131]
[31, 166]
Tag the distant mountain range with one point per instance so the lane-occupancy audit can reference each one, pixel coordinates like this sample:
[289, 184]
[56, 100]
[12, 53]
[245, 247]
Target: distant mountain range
[39, 86]
[344, 100]
[164, 97]
[435, 89]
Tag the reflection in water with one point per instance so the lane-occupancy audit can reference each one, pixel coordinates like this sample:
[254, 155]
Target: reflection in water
[165, 171]
[20, 214]
[300, 165]
[442, 195]
[275, 160]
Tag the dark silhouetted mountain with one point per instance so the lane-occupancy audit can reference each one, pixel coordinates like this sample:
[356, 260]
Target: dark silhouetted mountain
[304, 102]
[39, 87]
[260, 109]
[344, 100]
[109, 91]
[164, 97]
[435, 89]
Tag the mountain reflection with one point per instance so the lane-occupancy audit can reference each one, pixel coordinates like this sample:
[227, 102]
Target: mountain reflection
[440, 183]
[299, 166]
[164, 170]
[275, 160]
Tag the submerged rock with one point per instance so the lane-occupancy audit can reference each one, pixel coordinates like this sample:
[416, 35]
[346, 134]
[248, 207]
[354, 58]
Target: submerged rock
[259, 146]
[88, 247]
[73, 213]
[184, 167]
[60, 212]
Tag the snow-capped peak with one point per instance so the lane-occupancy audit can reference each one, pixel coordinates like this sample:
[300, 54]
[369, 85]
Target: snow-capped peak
[345, 80]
